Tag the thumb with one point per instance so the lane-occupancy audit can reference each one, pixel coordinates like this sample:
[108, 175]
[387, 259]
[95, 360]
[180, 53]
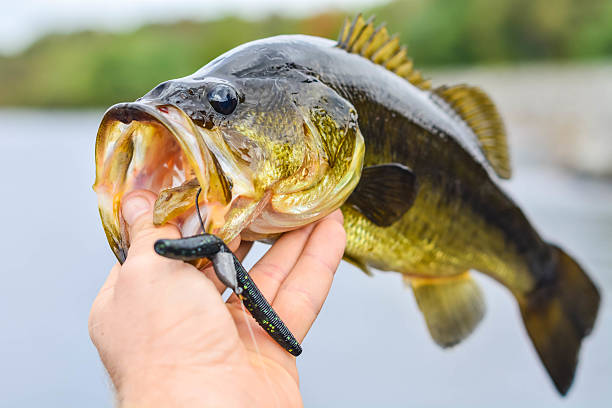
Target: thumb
[137, 211]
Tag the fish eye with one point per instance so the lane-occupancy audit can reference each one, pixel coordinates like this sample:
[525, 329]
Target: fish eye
[223, 99]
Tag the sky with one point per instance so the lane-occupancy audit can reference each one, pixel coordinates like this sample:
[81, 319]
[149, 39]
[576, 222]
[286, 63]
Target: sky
[24, 21]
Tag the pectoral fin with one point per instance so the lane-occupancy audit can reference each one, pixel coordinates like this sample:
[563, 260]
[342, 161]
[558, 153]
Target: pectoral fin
[452, 306]
[384, 193]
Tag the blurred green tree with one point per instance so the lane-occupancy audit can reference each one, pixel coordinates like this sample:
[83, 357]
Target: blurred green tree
[88, 69]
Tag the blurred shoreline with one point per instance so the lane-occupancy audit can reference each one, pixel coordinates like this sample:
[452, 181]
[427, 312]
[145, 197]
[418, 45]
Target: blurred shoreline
[95, 68]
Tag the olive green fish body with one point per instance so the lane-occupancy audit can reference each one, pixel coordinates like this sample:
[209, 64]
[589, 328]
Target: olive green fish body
[461, 219]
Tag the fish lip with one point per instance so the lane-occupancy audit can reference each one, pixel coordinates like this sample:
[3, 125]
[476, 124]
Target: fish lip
[127, 112]
[184, 133]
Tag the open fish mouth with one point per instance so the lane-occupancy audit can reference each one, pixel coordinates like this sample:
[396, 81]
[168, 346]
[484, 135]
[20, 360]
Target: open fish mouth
[157, 148]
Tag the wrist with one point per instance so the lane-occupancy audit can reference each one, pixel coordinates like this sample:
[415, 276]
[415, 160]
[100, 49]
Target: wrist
[172, 388]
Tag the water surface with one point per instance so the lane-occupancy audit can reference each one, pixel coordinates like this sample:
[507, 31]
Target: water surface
[369, 347]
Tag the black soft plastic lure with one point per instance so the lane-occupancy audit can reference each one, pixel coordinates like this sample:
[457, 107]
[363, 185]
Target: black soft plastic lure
[230, 271]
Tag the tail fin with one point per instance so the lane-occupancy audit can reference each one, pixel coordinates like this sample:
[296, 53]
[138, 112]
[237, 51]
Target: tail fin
[558, 316]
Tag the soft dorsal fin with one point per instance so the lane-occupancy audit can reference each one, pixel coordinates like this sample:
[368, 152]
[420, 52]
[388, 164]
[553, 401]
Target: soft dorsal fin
[361, 37]
[479, 113]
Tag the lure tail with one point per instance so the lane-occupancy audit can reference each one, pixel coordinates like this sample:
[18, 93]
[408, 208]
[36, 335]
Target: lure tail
[558, 316]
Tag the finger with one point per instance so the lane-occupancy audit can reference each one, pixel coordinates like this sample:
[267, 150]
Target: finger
[137, 211]
[272, 269]
[109, 284]
[303, 292]
[209, 272]
[243, 250]
[107, 289]
[102, 299]
[337, 216]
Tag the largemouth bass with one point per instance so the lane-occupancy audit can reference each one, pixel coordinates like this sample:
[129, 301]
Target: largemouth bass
[280, 132]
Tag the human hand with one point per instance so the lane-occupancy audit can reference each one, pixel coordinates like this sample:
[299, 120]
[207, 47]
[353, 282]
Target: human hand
[167, 338]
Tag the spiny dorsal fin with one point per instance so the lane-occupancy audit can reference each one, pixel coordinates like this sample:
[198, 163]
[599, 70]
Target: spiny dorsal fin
[360, 37]
[478, 111]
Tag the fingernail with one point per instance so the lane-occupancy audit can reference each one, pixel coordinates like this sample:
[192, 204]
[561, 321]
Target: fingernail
[133, 206]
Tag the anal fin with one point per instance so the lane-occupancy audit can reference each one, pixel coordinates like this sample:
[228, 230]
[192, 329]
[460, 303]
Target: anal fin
[452, 306]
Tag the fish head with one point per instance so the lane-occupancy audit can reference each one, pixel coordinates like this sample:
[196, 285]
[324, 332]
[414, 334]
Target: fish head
[270, 153]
